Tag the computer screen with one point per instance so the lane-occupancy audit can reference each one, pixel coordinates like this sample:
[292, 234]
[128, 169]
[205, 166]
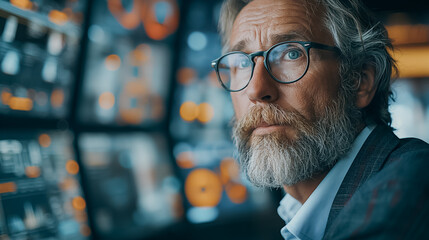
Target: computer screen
[133, 191]
[39, 49]
[128, 62]
[41, 193]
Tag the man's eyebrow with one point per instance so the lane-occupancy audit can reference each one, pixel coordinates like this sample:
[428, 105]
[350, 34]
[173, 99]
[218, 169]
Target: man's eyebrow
[290, 36]
[240, 46]
[276, 38]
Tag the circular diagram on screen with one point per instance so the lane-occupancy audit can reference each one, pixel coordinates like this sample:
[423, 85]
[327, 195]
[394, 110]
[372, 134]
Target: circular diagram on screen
[128, 19]
[160, 18]
[203, 188]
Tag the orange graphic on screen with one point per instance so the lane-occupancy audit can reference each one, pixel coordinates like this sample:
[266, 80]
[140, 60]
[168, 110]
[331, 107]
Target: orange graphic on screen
[205, 112]
[23, 4]
[20, 103]
[57, 98]
[112, 62]
[230, 177]
[185, 160]
[188, 111]
[236, 192]
[57, 17]
[132, 102]
[106, 100]
[160, 18]
[6, 95]
[7, 187]
[85, 230]
[229, 170]
[44, 140]
[72, 167]
[79, 203]
[203, 188]
[128, 20]
[32, 171]
[140, 54]
[185, 75]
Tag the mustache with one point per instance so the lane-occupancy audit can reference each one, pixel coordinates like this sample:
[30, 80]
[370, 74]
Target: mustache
[269, 114]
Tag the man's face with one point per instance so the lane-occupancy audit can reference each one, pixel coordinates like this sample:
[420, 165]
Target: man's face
[288, 118]
[257, 25]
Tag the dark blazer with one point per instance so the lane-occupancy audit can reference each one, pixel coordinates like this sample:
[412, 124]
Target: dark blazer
[385, 194]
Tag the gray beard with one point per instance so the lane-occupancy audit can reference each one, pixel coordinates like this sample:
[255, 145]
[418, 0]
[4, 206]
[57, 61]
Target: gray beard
[273, 160]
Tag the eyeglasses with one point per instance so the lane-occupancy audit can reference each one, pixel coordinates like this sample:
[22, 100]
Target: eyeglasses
[286, 62]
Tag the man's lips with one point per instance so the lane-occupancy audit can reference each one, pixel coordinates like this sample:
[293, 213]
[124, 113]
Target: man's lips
[265, 128]
[264, 124]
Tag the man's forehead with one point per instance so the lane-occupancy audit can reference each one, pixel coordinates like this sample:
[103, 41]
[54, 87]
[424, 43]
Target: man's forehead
[270, 22]
[273, 39]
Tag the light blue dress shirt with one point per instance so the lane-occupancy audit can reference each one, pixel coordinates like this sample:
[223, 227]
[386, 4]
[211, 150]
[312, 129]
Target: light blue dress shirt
[308, 221]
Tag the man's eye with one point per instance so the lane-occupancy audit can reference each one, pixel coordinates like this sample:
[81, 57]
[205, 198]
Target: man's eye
[244, 63]
[293, 54]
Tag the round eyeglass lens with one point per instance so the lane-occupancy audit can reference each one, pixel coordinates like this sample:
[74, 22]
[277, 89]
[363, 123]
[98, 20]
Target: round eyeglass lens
[288, 62]
[235, 70]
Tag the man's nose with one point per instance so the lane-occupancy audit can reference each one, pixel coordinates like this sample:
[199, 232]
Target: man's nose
[262, 88]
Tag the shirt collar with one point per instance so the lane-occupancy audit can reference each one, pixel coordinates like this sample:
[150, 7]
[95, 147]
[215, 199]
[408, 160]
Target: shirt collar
[308, 221]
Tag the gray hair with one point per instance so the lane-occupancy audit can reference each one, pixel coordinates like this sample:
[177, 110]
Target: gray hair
[362, 40]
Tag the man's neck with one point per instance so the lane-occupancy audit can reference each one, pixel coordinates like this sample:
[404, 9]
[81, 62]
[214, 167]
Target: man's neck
[302, 190]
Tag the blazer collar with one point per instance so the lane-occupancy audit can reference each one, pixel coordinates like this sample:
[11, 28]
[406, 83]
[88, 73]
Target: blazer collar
[370, 159]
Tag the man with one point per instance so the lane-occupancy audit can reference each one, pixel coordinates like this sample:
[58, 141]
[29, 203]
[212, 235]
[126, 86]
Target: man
[310, 86]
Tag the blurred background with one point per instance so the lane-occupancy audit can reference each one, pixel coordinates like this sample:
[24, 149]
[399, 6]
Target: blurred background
[113, 124]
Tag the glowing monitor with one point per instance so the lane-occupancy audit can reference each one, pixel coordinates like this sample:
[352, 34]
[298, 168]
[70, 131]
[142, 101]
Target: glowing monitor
[40, 191]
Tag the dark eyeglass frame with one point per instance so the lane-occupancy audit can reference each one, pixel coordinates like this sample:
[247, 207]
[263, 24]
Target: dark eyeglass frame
[305, 44]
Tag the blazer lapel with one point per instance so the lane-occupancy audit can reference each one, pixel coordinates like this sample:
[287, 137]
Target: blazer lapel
[370, 159]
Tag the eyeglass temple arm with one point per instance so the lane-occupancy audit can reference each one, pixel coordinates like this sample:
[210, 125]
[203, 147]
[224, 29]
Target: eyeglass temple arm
[325, 47]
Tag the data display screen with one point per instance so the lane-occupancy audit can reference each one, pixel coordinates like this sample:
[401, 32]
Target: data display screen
[132, 189]
[129, 62]
[39, 47]
[40, 190]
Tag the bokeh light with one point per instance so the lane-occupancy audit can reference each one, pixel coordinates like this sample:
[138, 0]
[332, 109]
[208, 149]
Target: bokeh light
[44, 140]
[20, 103]
[57, 98]
[106, 100]
[32, 171]
[72, 167]
[203, 188]
[112, 62]
[205, 112]
[7, 187]
[79, 203]
[236, 192]
[185, 160]
[197, 41]
[85, 230]
[23, 4]
[185, 75]
[189, 111]
[6, 96]
[57, 17]
[229, 170]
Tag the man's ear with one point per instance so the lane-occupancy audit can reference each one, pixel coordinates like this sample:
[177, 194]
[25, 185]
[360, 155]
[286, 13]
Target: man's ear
[367, 88]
